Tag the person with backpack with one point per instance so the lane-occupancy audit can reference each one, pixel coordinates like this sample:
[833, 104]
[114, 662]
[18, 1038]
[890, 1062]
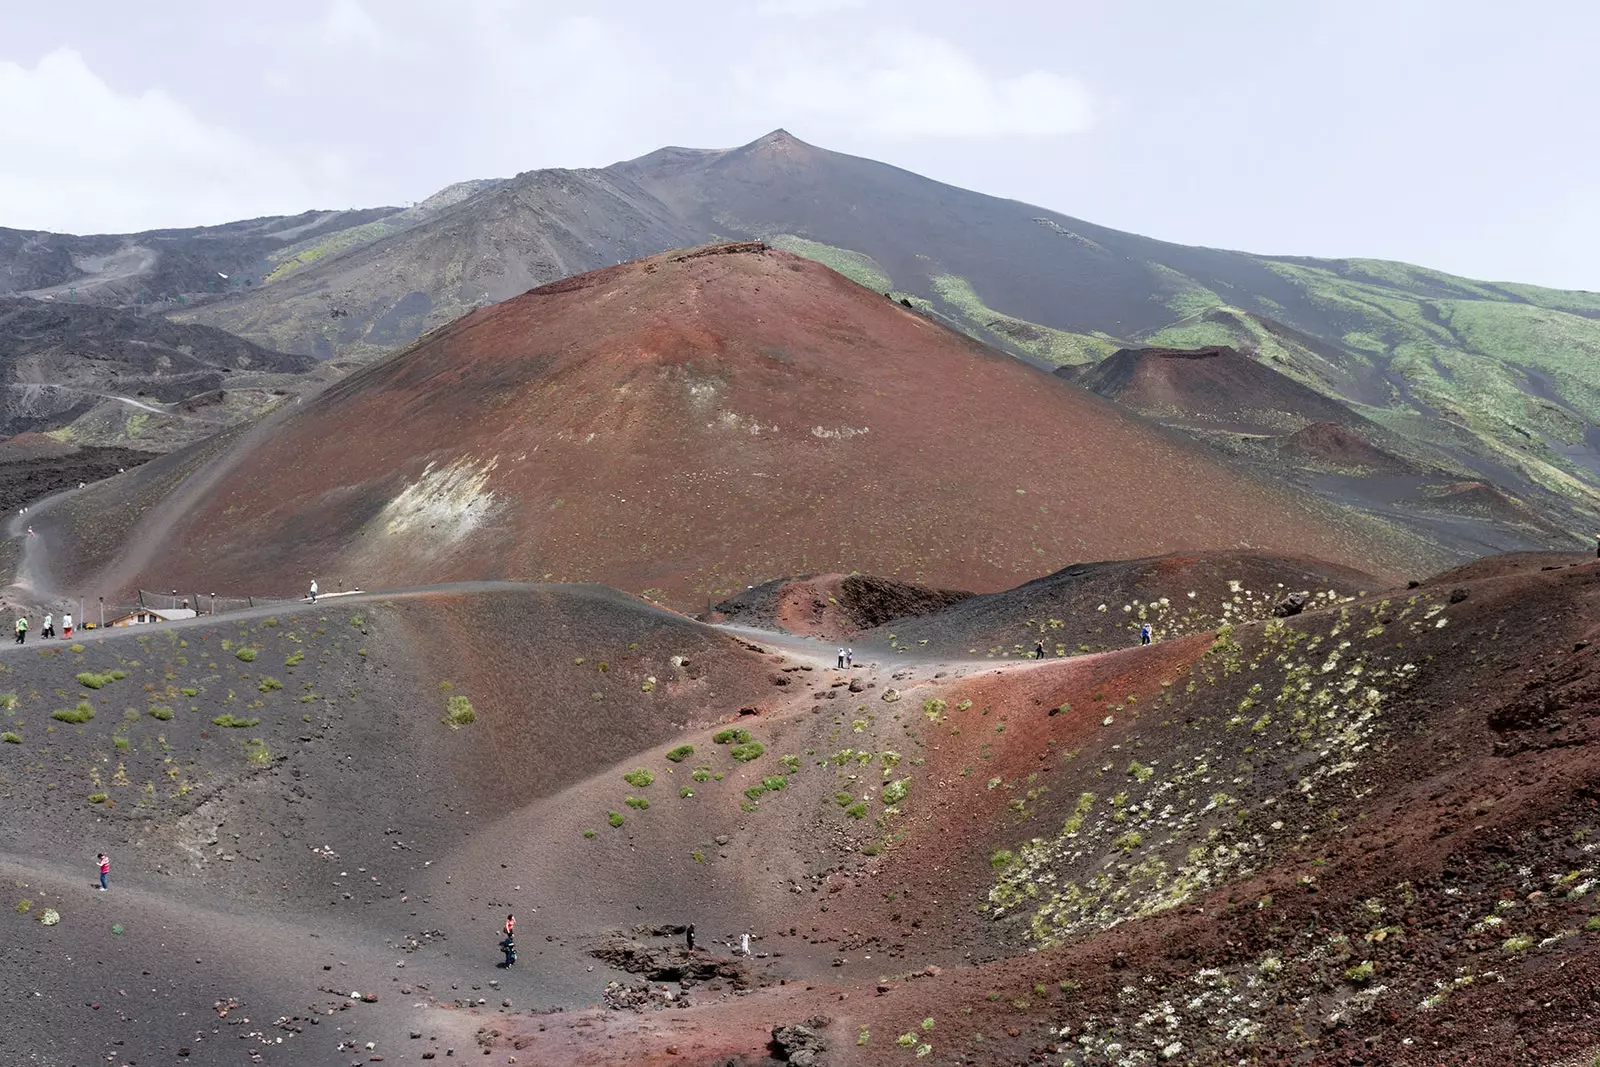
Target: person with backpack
[49, 628]
[508, 944]
[22, 629]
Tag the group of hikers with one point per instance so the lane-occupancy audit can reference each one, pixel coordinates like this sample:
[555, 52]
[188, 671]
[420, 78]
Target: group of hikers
[49, 630]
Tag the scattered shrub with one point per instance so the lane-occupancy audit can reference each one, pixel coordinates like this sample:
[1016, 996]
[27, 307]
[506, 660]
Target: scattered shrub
[896, 791]
[615, 818]
[11, 738]
[775, 782]
[97, 798]
[228, 719]
[295, 659]
[120, 743]
[1520, 943]
[732, 735]
[1002, 859]
[858, 810]
[90, 680]
[459, 712]
[161, 712]
[639, 778]
[685, 793]
[755, 791]
[844, 800]
[588, 835]
[748, 751]
[256, 753]
[189, 691]
[80, 714]
[8, 701]
[248, 655]
[1361, 973]
[681, 753]
[701, 774]
[636, 803]
[76, 648]
[24, 906]
[269, 684]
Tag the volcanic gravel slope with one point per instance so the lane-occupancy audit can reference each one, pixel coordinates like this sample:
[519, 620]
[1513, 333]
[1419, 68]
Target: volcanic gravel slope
[697, 422]
[1364, 834]
[1213, 387]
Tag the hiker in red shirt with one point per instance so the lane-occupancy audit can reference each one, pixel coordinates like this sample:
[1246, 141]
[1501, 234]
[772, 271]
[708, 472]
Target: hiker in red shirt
[509, 945]
[105, 871]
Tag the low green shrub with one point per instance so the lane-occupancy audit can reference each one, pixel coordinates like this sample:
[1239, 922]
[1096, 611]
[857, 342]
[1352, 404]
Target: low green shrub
[269, 684]
[161, 712]
[459, 712]
[732, 735]
[636, 803]
[748, 751]
[615, 818]
[80, 714]
[681, 753]
[229, 719]
[97, 798]
[90, 680]
[248, 655]
[11, 738]
[639, 778]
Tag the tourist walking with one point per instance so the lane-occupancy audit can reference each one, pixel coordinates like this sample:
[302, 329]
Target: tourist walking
[66, 624]
[1144, 634]
[22, 629]
[849, 658]
[105, 871]
[49, 628]
[1038, 650]
[313, 590]
[841, 659]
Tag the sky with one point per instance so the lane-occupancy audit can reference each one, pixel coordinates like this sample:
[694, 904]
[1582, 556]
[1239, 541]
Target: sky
[1461, 135]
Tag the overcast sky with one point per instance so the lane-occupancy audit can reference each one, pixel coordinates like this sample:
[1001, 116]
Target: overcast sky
[1458, 134]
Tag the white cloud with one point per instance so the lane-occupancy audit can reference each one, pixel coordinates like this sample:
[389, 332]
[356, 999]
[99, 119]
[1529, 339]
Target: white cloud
[81, 157]
[910, 85]
[348, 26]
[807, 9]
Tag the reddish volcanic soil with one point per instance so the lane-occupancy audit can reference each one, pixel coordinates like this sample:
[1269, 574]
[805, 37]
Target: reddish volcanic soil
[686, 426]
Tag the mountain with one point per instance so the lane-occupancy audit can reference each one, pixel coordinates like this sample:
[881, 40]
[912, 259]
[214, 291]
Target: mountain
[1498, 382]
[687, 425]
[1501, 376]
[110, 376]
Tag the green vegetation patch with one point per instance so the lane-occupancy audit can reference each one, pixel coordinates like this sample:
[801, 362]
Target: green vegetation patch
[228, 719]
[681, 753]
[639, 778]
[637, 803]
[859, 268]
[458, 712]
[80, 714]
[731, 735]
[748, 751]
[248, 655]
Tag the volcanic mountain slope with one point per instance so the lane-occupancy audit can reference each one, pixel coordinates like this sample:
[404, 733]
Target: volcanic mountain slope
[685, 426]
[1275, 424]
[1501, 373]
[106, 376]
[1212, 388]
[1362, 833]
